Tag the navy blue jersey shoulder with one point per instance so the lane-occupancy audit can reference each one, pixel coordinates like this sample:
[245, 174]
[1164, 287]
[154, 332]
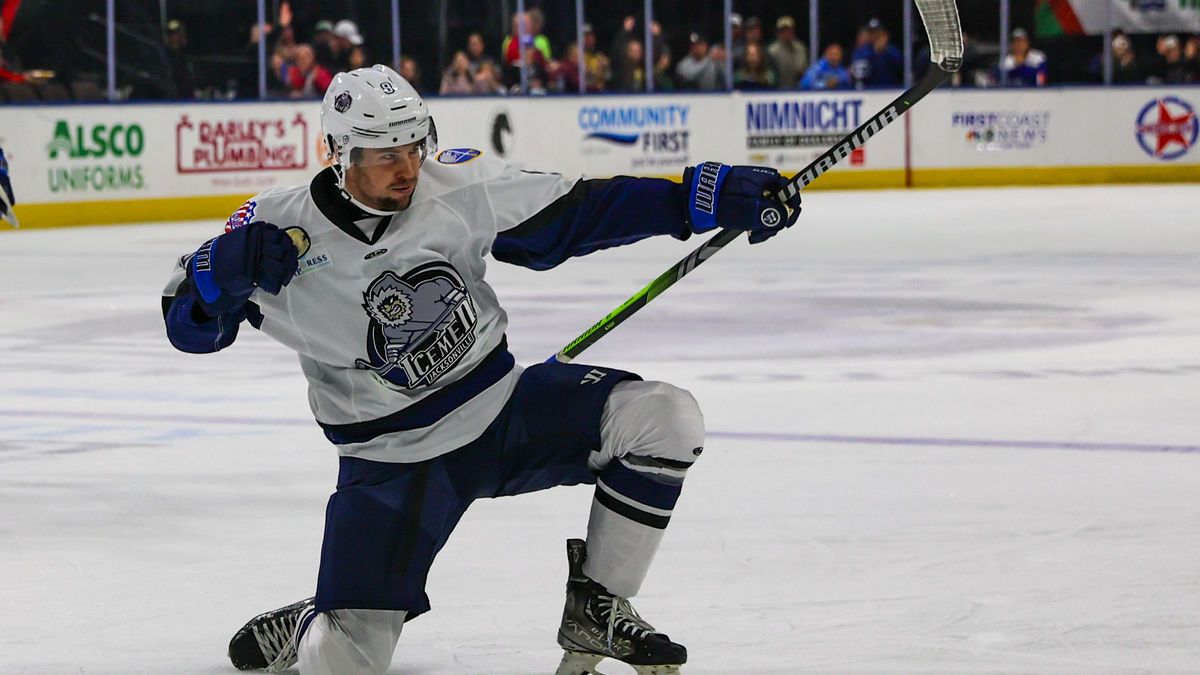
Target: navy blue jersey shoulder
[595, 215]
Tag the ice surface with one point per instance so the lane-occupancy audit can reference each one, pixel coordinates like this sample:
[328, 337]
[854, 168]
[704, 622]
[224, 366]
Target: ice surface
[951, 432]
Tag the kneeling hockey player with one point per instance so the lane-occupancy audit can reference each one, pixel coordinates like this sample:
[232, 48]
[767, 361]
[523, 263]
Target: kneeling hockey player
[374, 274]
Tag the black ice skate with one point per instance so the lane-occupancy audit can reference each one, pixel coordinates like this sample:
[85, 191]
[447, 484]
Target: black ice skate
[597, 624]
[268, 641]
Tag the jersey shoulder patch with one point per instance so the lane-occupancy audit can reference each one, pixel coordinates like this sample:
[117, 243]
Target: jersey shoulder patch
[458, 155]
[242, 217]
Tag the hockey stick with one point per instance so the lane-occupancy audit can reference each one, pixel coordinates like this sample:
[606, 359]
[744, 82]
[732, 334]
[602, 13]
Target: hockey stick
[946, 49]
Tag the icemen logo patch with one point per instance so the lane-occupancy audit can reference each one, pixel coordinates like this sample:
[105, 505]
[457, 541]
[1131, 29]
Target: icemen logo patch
[458, 155]
[422, 324]
[242, 217]
[343, 101]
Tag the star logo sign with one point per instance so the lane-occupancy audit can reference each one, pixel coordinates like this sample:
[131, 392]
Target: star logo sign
[1167, 128]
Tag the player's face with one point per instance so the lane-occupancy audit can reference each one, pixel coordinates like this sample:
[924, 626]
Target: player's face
[385, 178]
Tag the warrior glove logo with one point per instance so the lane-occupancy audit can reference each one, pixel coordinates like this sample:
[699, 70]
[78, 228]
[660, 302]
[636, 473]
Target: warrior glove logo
[422, 324]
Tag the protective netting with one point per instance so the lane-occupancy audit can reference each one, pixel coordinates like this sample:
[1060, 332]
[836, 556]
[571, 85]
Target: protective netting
[945, 32]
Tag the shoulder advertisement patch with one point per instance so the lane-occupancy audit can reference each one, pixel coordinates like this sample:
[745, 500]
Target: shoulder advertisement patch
[242, 217]
[458, 155]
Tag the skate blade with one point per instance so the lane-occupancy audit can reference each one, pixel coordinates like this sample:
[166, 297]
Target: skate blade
[581, 663]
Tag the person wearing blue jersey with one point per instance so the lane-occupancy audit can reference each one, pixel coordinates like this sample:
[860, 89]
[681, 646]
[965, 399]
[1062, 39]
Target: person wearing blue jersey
[877, 63]
[1024, 66]
[828, 72]
[374, 273]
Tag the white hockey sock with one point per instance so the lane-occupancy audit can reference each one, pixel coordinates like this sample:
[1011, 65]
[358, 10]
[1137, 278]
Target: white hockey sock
[350, 641]
[619, 550]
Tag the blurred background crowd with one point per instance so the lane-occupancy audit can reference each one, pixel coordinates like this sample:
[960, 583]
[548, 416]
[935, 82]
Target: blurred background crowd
[208, 49]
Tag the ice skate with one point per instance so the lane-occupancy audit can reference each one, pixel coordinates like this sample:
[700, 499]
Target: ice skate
[597, 625]
[268, 641]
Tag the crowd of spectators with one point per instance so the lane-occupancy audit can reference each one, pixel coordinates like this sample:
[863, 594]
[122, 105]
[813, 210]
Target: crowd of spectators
[1175, 60]
[762, 57]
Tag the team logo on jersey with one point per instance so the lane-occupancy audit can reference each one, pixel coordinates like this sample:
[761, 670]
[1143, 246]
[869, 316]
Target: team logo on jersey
[242, 216]
[421, 325]
[1167, 128]
[343, 101]
[458, 155]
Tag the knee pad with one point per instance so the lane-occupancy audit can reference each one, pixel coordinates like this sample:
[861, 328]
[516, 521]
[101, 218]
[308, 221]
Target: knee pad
[653, 427]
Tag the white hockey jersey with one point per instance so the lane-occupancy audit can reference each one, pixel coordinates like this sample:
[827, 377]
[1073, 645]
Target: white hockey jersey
[401, 339]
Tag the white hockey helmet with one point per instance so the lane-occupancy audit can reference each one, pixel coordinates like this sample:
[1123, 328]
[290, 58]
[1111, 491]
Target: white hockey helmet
[373, 108]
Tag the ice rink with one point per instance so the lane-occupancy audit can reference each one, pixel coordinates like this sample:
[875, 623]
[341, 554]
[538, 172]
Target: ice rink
[950, 432]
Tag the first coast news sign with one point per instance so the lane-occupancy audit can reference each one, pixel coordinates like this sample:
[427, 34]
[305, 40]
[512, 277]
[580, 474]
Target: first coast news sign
[73, 164]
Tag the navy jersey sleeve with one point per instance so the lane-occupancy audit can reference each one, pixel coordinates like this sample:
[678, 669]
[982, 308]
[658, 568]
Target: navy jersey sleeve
[595, 215]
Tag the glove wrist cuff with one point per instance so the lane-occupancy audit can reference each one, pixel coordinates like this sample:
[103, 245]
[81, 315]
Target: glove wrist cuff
[704, 189]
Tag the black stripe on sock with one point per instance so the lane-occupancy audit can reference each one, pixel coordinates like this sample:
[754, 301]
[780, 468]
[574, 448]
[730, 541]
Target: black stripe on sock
[636, 515]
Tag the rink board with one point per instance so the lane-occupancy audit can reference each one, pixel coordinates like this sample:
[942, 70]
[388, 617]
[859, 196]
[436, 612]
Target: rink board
[120, 163]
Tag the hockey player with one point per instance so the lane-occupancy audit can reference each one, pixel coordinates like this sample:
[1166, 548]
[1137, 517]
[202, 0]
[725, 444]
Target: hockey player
[373, 273]
[7, 200]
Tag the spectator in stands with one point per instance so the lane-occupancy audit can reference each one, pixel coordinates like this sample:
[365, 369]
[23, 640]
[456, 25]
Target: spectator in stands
[1125, 66]
[828, 73]
[536, 48]
[752, 34]
[346, 37]
[596, 65]
[718, 55]
[737, 37]
[755, 73]
[1024, 66]
[476, 51]
[326, 45]
[178, 63]
[308, 79]
[410, 71]
[877, 63]
[357, 58]
[1191, 59]
[487, 80]
[457, 79]
[662, 71]
[1173, 70]
[789, 54]
[531, 23]
[630, 73]
[565, 76]
[697, 71]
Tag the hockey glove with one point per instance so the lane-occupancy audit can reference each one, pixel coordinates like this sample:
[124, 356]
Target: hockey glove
[226, 270]
[7, 200]
[738, 198]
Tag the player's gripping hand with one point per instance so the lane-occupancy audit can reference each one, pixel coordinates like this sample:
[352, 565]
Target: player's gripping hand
[227, 269]
[738, 198]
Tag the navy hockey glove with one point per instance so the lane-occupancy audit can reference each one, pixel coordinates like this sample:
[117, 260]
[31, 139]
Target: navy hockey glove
[226, 269]
[738, 198]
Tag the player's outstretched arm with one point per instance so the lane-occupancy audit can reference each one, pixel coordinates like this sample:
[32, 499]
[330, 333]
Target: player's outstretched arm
[213, 297]
[599, 214]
